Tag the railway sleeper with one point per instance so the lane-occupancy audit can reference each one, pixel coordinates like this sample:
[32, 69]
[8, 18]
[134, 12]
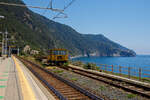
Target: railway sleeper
[66, 93]
[78, 98]
[36, 67]
[131, 83]
[71, 91]
[71, 96]
[125, 86]
[63, 88]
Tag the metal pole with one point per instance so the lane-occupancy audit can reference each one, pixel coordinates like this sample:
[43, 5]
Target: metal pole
[112, 68]
[18, 51]
[129, 68]
[2, 44]
[100, 69]
[9, 51]
[2, 17]
[6, 42]
[120, 70]
[140, 70]
[105, 67]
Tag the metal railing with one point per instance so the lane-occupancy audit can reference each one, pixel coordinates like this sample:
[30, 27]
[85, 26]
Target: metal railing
[129, 72]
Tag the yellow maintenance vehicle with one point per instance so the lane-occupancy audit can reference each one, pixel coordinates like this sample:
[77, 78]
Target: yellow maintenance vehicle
[58, 56]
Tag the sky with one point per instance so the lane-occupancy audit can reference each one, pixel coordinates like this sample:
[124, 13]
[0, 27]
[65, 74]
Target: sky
[126, 22]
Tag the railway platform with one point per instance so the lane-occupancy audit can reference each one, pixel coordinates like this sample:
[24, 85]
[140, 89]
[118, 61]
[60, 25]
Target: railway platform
[18, 83]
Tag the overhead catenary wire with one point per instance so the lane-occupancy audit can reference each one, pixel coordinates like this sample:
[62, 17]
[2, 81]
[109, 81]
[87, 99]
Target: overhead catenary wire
[22, 5]
[65, 16]
[50, 5]
[69, 4]
[58, 16]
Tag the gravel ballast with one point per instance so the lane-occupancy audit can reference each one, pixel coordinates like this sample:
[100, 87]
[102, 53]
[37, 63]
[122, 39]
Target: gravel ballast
[97, 87]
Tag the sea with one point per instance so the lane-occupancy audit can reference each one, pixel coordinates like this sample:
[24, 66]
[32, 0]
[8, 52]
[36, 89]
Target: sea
[135, 63]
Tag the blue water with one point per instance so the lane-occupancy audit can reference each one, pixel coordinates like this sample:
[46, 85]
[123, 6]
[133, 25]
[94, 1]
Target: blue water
[140, 61]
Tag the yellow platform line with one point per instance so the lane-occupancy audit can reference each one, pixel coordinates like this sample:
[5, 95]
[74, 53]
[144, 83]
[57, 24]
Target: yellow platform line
[27, 92]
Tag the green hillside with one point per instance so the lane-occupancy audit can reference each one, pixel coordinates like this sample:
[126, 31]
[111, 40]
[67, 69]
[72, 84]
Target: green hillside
[28, 28]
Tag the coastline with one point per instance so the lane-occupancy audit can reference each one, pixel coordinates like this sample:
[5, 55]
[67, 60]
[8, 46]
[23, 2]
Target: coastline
[78, 56]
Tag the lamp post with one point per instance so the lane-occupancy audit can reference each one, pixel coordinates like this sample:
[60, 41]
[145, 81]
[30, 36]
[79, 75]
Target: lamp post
[2, 43]
[6, 39]
[2, 17]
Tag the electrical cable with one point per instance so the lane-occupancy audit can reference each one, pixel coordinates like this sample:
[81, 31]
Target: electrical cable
[21, 5]
[65, 15]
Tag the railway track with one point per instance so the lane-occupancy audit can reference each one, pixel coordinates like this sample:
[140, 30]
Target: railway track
[63, 89]
[127, 86]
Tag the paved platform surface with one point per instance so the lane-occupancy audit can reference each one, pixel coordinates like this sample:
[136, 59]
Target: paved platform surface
[9, 88]
[18, 83]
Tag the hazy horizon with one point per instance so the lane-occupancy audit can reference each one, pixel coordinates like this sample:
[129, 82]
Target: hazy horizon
[125, 22]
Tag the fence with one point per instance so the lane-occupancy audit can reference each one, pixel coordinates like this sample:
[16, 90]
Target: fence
[142, 74]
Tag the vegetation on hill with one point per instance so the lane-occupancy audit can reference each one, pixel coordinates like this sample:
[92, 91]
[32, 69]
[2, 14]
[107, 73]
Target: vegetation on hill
[28, 28]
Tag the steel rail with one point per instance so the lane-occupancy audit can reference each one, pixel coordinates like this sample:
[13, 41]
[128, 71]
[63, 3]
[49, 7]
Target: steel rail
[114, 82]
[83, 91]
[57, 93]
